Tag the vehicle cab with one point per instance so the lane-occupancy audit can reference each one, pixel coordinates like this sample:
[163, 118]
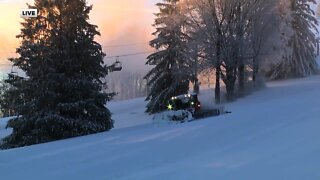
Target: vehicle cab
[187, 102]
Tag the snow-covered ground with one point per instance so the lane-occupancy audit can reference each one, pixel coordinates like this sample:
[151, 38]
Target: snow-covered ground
[129, 113]
[3, 123]
[272, 134]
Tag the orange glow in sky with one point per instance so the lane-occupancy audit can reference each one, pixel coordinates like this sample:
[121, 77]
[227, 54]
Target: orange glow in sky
[119, 22]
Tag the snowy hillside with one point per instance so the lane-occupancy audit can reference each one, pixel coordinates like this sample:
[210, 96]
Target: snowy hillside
[272, 134]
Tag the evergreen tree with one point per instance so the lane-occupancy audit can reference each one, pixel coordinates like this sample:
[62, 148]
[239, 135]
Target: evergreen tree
[62, 95]
[318, 11]
[170, 76]
[300, 41]
[10, 95]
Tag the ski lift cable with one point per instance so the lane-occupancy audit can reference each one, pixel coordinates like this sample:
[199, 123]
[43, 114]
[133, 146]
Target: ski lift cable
[126, 55]
[112, 57]
[116, 56]
[106, 46]
[124, 45]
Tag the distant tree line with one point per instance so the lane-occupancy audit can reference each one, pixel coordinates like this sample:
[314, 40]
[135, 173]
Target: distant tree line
[126, 85]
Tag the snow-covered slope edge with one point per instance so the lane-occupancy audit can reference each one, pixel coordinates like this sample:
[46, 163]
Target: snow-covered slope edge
[272, 134]
[3, 131]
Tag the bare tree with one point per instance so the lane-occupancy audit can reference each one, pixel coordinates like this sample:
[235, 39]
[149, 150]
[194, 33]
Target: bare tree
[225, 28]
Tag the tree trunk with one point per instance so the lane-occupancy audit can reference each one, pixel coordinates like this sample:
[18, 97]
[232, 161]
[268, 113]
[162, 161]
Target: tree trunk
[230, 84]
[217, 88]
[241, 79]
[218, 71]
[240, 39]
[196, 87]
[255, 69]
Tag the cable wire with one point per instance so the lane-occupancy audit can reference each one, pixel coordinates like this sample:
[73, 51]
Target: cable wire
[125, 45]
[126, 55]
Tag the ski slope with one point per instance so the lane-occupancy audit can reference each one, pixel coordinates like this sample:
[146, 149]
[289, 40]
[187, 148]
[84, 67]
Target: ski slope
[271, 135]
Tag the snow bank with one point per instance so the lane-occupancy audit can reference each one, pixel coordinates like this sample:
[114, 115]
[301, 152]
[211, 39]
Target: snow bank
[3, 131]
[172, 117]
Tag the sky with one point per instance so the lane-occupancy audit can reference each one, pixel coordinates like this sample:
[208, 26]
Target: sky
[121, 22]
[125, 27]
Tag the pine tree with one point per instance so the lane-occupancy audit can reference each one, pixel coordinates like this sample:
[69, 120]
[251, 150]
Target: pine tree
[10, 94]
[62, 95]
[318, 11]
[170, 76]
[300, 41]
